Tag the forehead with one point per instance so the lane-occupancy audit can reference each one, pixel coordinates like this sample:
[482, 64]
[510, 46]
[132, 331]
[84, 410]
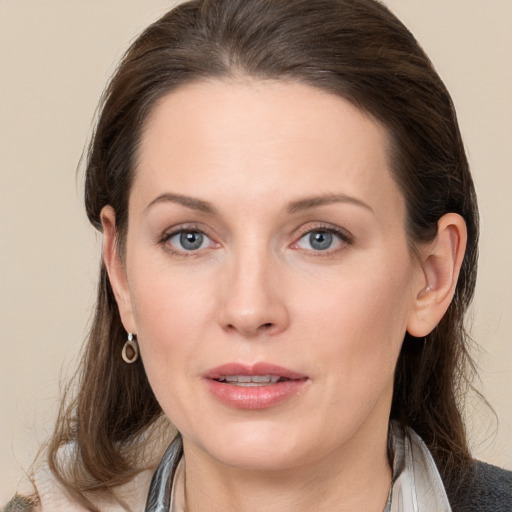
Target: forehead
[259, 139]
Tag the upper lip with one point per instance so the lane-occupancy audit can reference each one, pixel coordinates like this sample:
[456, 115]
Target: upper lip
[260, 368]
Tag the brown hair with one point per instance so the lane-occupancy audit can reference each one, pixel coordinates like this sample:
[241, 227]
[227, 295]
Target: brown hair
[353, 48]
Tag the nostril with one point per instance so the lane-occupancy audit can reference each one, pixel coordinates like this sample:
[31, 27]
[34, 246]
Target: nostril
[267, 325]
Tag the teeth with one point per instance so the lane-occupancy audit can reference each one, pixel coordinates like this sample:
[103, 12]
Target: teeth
[261, 378]
[249, 380]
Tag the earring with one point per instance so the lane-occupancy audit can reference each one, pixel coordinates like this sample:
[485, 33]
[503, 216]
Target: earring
[130, 351]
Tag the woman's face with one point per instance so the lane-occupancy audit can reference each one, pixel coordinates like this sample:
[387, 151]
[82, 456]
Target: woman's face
[266, 241]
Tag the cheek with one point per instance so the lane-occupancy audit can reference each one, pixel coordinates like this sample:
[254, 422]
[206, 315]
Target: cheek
[360, 322]
[170, 313]
[170, 316]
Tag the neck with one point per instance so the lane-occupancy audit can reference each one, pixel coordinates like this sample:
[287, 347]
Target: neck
[354, 477]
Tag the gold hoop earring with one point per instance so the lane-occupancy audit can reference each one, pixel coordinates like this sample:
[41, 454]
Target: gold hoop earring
[130, 351]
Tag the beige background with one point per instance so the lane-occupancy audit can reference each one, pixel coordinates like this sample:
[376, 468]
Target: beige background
[55, 57]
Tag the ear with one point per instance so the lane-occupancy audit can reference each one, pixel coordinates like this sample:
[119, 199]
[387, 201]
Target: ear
[441, 261]
[116, 268]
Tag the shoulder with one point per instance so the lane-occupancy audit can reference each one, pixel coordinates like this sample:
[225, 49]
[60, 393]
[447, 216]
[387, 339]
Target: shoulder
[50, 496]
[485, 488]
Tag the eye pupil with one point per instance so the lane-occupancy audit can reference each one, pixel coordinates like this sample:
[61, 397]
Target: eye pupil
[191, 240]
[320, 240]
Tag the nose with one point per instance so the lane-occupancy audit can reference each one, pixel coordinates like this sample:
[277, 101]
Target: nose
[253, 302]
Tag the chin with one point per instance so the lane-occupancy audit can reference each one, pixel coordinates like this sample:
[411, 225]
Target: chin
[259, 447]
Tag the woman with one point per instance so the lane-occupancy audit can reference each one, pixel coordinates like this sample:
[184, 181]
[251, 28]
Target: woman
[290, 242]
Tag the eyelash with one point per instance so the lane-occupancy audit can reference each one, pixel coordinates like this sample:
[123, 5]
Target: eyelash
[346, 239]
[187, 228]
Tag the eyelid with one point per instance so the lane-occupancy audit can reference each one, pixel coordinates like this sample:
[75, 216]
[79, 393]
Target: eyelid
[175, 230]
[345, 236]
[325, 226]
[171, 231]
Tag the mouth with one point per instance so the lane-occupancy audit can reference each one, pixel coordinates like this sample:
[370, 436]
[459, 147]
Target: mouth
[257, 386]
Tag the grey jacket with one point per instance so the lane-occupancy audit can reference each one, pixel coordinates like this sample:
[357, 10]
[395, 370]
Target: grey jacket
[487, 489]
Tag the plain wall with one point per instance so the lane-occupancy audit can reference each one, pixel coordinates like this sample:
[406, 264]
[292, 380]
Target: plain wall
[55, 58]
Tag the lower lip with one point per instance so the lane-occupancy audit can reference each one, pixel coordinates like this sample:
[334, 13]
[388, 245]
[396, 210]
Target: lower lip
[255, 397]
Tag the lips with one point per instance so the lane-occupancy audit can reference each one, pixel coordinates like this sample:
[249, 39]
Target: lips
[255, 386]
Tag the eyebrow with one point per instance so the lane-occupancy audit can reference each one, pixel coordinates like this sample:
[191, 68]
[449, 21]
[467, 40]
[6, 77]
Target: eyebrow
[294, 207]
[189, 202]
[315, 201]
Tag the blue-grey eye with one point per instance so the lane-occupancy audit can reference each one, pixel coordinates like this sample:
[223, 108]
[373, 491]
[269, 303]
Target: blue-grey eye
[319, 240]
[189, 240]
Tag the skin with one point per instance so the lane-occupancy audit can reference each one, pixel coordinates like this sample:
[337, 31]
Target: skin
[257, 290]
